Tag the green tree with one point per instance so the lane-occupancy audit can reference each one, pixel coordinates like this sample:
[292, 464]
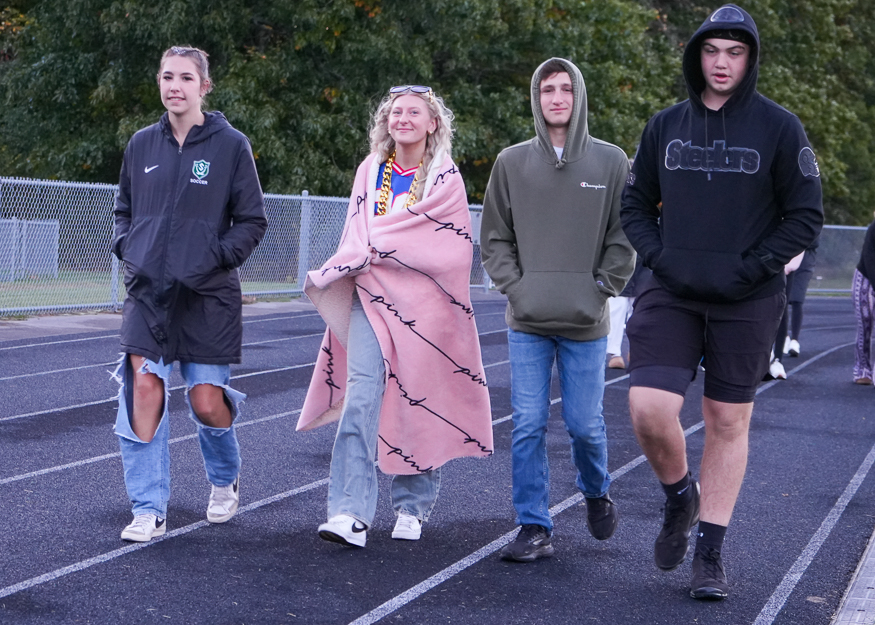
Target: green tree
[302, 78]
[817, 60]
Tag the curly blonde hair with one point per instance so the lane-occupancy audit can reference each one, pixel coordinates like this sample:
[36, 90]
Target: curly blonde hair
[440, 141]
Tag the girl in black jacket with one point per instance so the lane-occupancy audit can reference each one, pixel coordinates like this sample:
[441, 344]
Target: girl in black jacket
[189, 211]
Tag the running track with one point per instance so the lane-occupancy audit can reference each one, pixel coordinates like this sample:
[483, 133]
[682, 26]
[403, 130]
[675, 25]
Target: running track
[800, 528]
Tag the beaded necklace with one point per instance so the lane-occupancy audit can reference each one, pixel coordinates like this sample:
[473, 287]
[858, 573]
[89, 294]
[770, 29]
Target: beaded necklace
[387, 185]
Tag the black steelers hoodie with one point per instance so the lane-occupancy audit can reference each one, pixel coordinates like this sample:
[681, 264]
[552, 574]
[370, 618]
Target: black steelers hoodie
[739, 188]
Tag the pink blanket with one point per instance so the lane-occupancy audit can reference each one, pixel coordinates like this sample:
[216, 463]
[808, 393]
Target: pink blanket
[411, 269]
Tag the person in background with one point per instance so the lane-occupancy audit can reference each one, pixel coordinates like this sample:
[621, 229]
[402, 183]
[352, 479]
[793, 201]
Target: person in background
[864, 308]
[796, 291]
[621, 309]
[189, 211]
[400, 362]
[776, 366]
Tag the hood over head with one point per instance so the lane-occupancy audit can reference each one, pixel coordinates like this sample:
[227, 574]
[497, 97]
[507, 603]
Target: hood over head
[578, 139]
[728, 22]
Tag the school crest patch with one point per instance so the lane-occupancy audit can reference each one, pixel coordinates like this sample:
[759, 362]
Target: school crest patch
[200, 169]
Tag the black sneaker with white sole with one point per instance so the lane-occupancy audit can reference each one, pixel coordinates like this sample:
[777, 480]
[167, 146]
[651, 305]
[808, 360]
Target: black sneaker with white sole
[532, 543]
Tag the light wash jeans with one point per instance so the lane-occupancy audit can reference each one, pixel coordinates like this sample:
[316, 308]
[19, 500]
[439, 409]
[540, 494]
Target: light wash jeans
[352, 485]
[147, 465]
[581, 366]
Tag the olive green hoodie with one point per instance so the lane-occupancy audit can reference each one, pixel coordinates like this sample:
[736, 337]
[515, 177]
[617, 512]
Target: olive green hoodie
[551, 238]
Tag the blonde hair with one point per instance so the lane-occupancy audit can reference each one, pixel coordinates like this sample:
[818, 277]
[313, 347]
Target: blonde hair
[382, 144]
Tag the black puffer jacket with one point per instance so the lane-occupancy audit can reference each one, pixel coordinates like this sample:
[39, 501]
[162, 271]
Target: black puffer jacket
[185, 219]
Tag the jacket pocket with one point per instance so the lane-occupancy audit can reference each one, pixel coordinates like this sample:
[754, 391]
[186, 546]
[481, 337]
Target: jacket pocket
[201, 264]
[557, 296]
[704, 275]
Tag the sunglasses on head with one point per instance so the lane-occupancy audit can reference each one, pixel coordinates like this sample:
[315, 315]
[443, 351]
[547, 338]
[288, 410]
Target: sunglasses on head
[412, 88]
[727, 14]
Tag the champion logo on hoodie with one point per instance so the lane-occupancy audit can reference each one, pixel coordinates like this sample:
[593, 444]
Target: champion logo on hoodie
[588, 185]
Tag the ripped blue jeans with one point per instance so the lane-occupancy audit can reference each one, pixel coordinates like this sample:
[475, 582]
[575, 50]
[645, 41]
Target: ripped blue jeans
[147, 465]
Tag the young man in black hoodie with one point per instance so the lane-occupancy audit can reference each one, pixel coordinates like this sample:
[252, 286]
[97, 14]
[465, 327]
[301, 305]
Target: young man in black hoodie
[724, 191]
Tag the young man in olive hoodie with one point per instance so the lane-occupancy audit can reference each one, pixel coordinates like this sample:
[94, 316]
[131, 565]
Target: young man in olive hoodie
[552, 242]
[724, 191]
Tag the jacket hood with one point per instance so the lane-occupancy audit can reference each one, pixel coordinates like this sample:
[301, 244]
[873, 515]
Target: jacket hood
[578, 141]
[213, 123]
[727, 17]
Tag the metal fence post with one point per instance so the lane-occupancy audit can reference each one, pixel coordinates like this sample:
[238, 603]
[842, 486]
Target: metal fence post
[113, 286]
[304, 240]
[18, 258]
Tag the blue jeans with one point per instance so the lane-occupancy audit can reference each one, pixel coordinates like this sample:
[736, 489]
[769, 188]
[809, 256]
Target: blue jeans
[581, 366]
[147, 465]
[352, 485]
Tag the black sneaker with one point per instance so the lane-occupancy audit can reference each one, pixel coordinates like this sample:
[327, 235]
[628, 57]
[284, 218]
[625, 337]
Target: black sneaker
[532, 542]
[709, 576]
[673, 541]
[601, 517]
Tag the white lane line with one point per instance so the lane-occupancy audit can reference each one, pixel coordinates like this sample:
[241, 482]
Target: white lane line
[173, 441]
[91, 338]
[31, 375]
[176, 388]
[245, 321]
[285, 338]
[386, 608]
[416, 591]
[286, 318]
[115, 362]
[423, 587]
[112, 555]
[84, 564]
[776, 602]
[80, 463]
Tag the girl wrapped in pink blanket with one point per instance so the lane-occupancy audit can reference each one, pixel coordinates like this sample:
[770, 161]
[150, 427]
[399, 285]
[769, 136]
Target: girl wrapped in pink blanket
[400, 362]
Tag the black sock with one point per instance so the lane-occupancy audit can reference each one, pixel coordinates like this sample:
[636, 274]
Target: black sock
[711, 535]
[679, 491]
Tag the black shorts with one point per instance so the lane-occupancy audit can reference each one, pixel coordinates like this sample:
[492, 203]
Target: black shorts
[669, 336]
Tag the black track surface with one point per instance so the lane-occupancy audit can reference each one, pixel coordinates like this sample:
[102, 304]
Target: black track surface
[64, 504]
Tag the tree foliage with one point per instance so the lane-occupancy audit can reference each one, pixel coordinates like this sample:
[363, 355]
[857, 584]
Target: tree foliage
[301, 78]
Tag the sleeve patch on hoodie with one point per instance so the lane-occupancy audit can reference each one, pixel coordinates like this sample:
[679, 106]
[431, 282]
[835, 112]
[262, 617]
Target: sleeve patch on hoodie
[808, 163]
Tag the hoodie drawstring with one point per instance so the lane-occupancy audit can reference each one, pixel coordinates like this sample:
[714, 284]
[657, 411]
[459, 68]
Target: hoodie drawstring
[706, 139]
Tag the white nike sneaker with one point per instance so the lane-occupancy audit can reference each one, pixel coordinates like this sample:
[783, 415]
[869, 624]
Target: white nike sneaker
[345, 530]
[144, 528]
[776, 370]
[407, 527]
[793, 349]
[223, 502]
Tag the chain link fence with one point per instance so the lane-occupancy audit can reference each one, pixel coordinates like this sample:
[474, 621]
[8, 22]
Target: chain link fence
[55, 239]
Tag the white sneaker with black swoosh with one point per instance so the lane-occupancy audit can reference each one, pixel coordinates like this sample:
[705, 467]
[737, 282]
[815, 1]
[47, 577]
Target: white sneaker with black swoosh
[345, 530]
[144, 528]
[223, 502]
